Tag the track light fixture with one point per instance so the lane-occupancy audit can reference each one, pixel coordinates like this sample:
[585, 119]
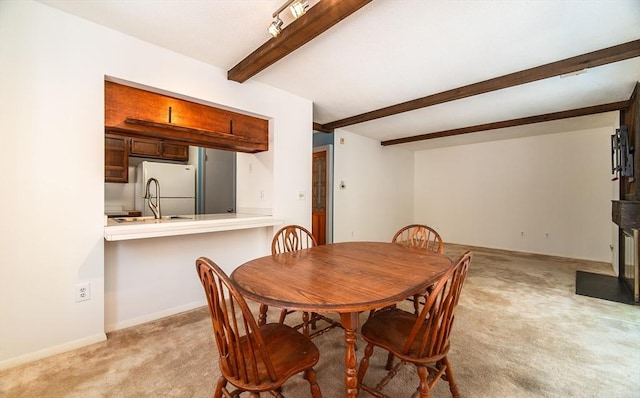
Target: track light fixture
[297, 8]
[276, 26]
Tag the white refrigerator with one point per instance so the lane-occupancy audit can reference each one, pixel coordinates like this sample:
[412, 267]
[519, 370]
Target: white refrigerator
[177, 188]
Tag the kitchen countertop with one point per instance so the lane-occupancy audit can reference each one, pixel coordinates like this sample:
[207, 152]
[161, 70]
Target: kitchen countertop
[144, 227]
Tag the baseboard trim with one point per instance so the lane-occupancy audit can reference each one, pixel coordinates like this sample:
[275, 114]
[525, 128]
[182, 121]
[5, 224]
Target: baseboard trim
[112, 327]
[50, 351]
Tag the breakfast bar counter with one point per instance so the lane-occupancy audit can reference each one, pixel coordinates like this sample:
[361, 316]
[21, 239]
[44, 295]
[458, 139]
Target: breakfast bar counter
[127, 228]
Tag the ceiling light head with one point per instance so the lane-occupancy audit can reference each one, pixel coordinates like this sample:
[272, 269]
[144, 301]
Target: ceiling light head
[298, 8]
[275, 27]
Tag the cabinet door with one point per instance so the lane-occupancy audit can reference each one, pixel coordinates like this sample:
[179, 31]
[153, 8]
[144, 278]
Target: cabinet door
[116, 159]
[146, 148]
[175, 151]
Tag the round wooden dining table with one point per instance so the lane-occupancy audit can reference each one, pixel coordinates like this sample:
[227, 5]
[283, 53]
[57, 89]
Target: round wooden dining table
[345, 278]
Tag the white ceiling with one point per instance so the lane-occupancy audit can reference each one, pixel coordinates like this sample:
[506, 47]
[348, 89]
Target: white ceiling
[391, 51]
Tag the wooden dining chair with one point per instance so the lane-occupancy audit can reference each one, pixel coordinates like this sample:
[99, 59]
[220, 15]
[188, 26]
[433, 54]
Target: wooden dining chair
[423, 237]
[422, 340]
[252, 358]
[288, 239]
[291, 238]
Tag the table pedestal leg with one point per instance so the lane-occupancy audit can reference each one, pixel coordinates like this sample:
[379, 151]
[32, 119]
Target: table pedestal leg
[350, 323]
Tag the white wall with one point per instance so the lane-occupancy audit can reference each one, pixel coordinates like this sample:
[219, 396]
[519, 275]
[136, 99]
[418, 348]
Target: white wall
[52, 68]
[488, 194]
[378, 195]
[146, 279]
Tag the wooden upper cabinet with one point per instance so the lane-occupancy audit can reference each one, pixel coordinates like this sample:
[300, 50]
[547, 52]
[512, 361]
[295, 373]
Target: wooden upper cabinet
[134, 112]
[117, 150]
[175, 151]
[116, 159]
[150, 148]
[145, 148]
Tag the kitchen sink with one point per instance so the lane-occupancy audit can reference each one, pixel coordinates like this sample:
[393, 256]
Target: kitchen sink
[150, 219]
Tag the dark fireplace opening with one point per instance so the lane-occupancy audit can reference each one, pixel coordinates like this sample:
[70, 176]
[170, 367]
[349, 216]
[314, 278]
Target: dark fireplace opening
[630, 267]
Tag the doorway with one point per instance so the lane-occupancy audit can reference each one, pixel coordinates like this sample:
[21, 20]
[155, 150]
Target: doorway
[322, 194]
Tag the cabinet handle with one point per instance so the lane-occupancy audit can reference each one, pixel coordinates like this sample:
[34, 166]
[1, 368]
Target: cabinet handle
[231, 126]
[169, 114]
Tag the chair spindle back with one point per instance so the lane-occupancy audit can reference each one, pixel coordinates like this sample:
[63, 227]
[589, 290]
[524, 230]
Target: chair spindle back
[430, 334]
[421, 236]
[291, 238]
[243, 354]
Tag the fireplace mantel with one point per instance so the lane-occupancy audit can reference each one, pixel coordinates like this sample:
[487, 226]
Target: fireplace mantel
[626, 213]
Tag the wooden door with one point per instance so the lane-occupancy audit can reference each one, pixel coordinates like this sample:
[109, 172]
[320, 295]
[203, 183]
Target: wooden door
[319, 197]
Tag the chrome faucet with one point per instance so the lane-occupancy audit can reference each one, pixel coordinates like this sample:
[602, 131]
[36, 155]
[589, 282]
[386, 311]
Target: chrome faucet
[154, 206]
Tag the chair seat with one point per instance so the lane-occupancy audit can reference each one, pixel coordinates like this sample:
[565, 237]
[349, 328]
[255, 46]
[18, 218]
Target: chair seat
[389, 329]
[290, 353]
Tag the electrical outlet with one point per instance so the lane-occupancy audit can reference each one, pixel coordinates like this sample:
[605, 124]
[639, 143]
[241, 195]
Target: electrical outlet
[83, 292]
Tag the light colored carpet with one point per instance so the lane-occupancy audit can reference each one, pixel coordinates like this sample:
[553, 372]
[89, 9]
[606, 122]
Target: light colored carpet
[520, 331]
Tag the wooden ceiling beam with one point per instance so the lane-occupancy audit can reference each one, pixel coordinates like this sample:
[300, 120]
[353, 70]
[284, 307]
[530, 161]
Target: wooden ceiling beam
[315, 21]
[590, 110]
[318, 127]
[574, 64]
